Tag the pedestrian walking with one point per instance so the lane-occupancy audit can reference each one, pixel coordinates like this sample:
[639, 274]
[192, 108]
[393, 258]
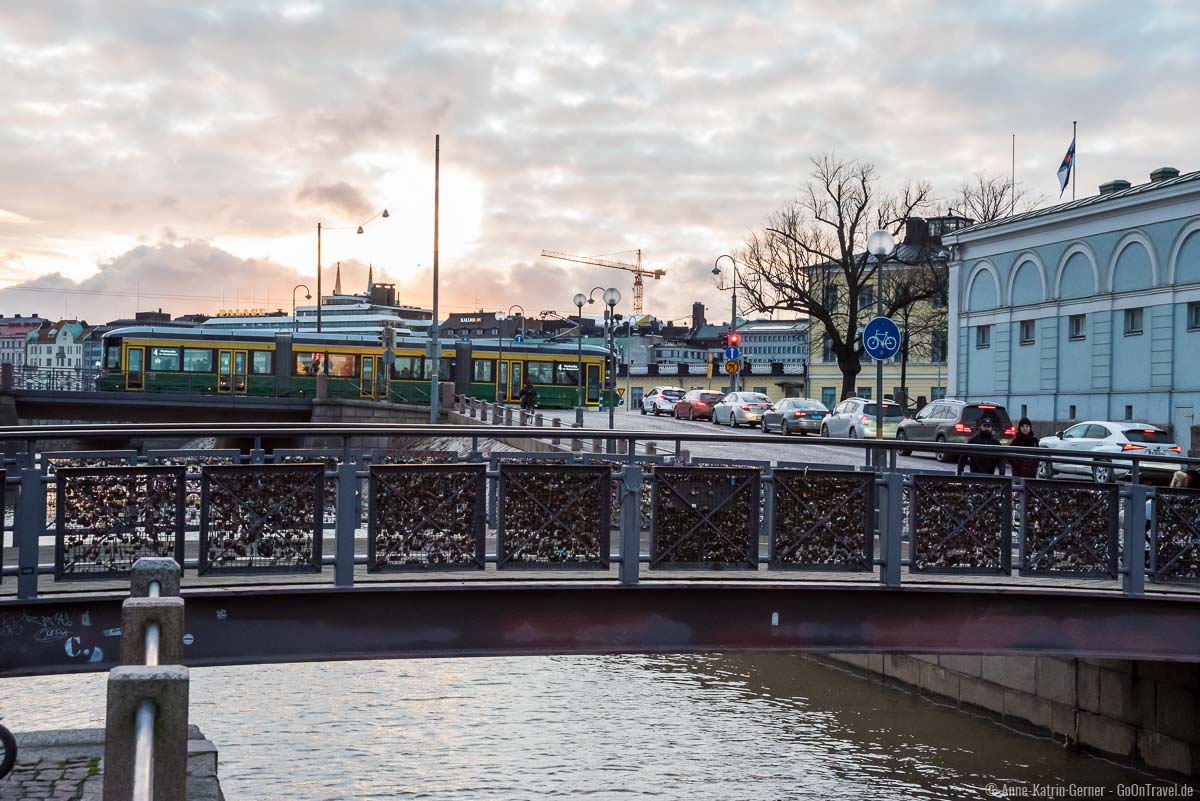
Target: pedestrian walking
[978, 462]
[1022, 467]
[528, 395]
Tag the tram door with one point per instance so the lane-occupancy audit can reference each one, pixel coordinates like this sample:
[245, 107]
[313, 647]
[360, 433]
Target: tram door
[134, 366]
[593, 383]
[510, 381]
[366, 377]
[231, 372]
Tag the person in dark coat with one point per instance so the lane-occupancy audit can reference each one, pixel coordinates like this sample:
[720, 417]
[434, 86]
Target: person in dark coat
[980, 463]
[528, 394]
[1024, 468]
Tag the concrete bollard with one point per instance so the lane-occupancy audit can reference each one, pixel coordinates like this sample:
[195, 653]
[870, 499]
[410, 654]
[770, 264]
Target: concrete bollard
[556, 440]
[137, 614]
[497, 413]
[650, 449]
[508, 417]
[162, 569]
[538, 420]
[167, 688]
[576, 445]
[597, 446]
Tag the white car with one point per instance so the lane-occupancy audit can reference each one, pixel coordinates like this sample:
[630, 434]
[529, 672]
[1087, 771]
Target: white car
[662, 400]
[1101, 436]
[741, 409]
[855, 418]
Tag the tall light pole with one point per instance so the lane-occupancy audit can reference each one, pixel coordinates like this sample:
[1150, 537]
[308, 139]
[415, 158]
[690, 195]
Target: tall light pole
[435, 348]
[733, 378]
[502, 392]
[611, 298]
[880, 244]
[579, 300]
[307, 296]
[322, 227]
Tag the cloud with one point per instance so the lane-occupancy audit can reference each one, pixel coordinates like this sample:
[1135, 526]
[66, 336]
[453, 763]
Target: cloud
[340, 196]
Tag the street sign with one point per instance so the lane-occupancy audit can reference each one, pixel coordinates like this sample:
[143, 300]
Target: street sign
[881, 338]
[621, 391]
[519, 338]
[389, 358]
[732, 366]
[731, 353]
[620, 401]
[464, 339]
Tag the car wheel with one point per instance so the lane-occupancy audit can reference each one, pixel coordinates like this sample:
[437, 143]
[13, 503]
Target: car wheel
[733, 423]
[643, 408]
[691, 414]
[941, 456]
[1045, 470]
[852, 434]
[1102, 473]
[783, 428]
[825, 431]
[901, 438]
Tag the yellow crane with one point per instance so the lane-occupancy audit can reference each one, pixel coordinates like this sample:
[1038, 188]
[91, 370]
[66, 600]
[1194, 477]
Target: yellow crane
[637, 270]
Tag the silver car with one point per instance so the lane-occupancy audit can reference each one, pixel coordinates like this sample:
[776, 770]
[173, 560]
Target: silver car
[1093, 437]
[741, 409]
[855, 418]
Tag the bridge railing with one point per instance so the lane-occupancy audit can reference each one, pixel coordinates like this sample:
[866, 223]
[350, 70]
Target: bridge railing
[634, 514]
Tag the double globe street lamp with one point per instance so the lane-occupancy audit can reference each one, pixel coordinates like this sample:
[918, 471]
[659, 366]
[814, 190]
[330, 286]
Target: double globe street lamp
[881, 245]
[611, 298]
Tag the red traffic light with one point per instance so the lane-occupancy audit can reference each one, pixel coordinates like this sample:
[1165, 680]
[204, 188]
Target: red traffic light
[734, 340]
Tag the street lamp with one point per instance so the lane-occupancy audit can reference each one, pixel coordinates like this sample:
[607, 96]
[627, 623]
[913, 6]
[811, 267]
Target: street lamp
[307, 296]
[611, 298]
[502, 392]
[880, 244]
[733, 378]
[322, 227]
[579, 300]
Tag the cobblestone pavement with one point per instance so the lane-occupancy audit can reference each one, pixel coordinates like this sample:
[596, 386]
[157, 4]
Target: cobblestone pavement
[52, 779]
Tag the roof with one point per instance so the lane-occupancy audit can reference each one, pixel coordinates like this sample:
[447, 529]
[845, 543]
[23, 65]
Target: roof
[1084, 203]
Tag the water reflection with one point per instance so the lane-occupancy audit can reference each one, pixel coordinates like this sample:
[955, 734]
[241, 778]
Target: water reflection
[752, 726]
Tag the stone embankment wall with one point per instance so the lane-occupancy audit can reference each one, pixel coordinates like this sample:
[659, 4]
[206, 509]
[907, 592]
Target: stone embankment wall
[1143, 711]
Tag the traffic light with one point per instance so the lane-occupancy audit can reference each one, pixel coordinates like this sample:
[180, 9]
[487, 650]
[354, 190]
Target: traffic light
[724, 341]
[734, 339]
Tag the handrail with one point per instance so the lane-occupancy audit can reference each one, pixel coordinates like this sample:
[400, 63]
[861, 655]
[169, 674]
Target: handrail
[143, 750]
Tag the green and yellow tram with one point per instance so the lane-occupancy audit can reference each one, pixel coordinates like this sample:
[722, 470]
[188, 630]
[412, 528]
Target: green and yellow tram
[282, 364]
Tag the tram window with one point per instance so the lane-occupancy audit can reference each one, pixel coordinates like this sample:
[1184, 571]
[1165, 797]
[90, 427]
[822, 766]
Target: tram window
[164, 359]
[112, 358]
[261, 362]
[408, 367]
[540, 372]
[343, 365]
[485, 370]
[445, 368]
[566, 373]
[307, 363]
[197, 360]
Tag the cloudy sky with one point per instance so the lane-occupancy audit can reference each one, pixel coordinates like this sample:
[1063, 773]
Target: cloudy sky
[180, 155]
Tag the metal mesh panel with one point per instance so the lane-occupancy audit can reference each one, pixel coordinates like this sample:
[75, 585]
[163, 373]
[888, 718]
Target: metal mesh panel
[427, 517]
[961, 524]
[54, 461]
[705, 517]
[107, 519]
[261, 518]
[824, 520]
[553, 516]
[1176, 536]
[1070, 529]
[193, 460]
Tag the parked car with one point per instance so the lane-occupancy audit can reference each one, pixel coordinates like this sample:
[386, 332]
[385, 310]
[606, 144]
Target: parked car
[741, 408]
[1101, 436]
[697, 405]
[795, 414]
[949, 420]
[855, 418]
[662, 400]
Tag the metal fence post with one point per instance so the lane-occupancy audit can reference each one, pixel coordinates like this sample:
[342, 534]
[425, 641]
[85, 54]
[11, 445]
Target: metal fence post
[1135, 540]
[348, 517]
[556, 440]
[29, 522]
[631, 524]
[891, 527]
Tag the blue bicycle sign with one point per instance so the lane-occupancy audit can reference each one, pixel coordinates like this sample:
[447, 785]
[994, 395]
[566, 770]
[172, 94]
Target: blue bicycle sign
[881, 338]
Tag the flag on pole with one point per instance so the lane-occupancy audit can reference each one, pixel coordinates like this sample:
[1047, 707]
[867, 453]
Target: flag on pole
[1064, 170]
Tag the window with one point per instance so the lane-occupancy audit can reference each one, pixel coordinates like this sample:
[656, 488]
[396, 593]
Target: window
[567, 374]
[937, 393]
[829, 298]
[409, 367]
[484, 370]
[866, 297]
[342, 365]
[1075, 432]
[1128, 412]
[307, 363]
[827, 349]
[864, 392]
[937, 347]
[1024, 410]
[1072, 414]
[262, 362]
[1097, 432]
[828, 396]
[939, 299]
[1193, 316]
[761, 391]
[983, 336]
[1027, 332]
[1133, 322]
[540, 372]
[112, 357]
[197, 360]
[164, 359]
[1076, 326]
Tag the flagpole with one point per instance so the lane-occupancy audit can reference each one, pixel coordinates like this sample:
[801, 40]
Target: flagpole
[1075, 156]
[1013, 188]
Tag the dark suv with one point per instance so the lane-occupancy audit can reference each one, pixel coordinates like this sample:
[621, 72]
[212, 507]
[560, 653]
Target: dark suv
[954, 421]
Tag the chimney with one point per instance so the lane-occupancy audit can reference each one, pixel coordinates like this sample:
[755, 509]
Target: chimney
[1115, 185]
[1163, 174]
[697, 316]
[916, 231]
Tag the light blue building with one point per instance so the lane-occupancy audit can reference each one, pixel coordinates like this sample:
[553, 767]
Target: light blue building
[1085, 310]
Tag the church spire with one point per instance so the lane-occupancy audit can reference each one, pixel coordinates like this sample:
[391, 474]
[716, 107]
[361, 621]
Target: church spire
[337, 284]
[370, 277]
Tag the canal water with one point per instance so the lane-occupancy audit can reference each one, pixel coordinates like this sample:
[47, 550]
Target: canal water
[753, 726]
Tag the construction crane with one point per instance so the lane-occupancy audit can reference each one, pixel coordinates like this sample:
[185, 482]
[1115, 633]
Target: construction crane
[637, 270]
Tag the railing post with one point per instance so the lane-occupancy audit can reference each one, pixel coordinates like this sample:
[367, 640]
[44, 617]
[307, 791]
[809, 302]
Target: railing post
[631, 524]
[508, 416]
[1134, 557]
[891, 527]
[29, 523]
[556, 440]
[346, 523]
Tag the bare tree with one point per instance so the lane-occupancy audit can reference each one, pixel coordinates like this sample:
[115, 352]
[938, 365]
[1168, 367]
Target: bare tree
[810, 257]
[989, 197]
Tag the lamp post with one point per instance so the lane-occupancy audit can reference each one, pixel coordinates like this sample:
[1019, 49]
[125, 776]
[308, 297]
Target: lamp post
[307, 296]
[611, 298]
[880, 244]
[502, 391]
[322, 227]
[733, 378]
[579, 300]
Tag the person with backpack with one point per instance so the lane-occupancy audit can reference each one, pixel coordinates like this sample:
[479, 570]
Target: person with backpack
[528, 394]
[981, 463]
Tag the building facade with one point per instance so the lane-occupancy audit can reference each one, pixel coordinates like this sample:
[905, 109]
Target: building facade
[14, 337]
[1085, 310]
[58, 345]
